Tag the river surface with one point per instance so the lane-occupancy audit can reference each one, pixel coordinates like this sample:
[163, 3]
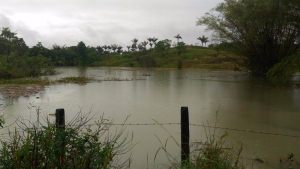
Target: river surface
[242, 101]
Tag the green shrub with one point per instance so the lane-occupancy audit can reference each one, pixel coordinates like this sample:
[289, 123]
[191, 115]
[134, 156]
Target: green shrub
[282, 72]
[147, 61]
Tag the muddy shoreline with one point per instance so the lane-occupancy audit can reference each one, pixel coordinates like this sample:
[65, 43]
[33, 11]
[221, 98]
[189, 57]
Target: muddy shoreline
[16, 91]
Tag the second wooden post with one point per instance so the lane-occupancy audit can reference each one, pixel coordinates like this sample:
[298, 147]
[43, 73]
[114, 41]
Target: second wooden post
[185, 136]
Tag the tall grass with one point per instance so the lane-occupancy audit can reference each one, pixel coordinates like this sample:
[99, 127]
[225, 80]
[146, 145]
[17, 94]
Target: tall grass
[86, 142]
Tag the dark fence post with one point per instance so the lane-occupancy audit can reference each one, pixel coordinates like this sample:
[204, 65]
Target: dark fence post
[60, 126]
[185, 136]
[60, 119]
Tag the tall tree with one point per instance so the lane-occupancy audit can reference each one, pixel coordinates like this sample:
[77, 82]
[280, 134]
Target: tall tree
[128, 47]
[82, 53]
[154, 39]
[203, 39]
[140, 46]
[109, 48]
[119, 49]
[181, 48]
[105, 47]
[99, 49]
[114, 47]
[178, 37]
[8, 37]
[134, 40]
[134, 45]
[150, 41]
[144, 44]
[263, 32]
[163, 47]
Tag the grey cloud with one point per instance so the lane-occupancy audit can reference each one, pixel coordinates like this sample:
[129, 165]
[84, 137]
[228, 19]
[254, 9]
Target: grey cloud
[31, 37]
[4, 21]
[107, 22]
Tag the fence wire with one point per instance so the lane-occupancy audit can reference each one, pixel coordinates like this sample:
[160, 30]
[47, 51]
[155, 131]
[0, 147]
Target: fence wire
[196, 125]
[201, 125]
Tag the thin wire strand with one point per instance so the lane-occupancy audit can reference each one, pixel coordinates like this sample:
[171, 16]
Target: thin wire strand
[196, 125]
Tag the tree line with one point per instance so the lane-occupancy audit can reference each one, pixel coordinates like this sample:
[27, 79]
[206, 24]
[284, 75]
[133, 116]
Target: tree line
[18, 60]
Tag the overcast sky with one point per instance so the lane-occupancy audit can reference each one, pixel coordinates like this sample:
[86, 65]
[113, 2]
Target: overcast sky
[103, 22]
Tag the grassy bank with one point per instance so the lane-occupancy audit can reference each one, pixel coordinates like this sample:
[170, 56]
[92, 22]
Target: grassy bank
[194, 57]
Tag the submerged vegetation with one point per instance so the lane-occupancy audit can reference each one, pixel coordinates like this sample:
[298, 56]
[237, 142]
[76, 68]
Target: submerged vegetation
[74, 79]
[13, 88]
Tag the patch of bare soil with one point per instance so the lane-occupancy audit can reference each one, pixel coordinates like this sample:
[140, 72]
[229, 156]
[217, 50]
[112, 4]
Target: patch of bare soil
[15, 91]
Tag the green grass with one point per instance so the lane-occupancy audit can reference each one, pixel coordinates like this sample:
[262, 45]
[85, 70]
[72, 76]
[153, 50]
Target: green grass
[194, 57]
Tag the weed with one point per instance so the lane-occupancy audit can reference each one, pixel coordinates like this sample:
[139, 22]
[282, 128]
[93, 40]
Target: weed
[289, 162]
[213, 153]
[78, 146]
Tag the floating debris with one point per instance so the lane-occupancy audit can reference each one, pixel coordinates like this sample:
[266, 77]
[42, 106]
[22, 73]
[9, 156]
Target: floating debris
[15, 91]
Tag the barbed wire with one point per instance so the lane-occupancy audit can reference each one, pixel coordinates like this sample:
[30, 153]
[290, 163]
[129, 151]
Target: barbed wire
[202, 125]
[164, 124]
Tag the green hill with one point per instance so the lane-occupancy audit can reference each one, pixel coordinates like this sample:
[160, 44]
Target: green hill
[194, 57]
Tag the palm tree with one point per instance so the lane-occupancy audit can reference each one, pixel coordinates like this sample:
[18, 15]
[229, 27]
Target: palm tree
[178, 37]
[154, 39]
[99, 49]
[119, 49]
[114, 47]
[203, 39]
[140, 46]
[104, 47]
[134, 40]
[133, 47]
[128, 48]
[109, 48]
[150, 41]
[206, 40]
[144, 44]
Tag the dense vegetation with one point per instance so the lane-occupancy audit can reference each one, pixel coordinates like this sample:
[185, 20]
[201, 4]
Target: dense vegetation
[263, 32]
[18, 60]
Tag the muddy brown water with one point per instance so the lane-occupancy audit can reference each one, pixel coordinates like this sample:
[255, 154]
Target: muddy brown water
[242, 101]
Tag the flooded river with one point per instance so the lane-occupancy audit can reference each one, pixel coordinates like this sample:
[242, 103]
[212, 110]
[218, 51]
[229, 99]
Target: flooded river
[242, 101]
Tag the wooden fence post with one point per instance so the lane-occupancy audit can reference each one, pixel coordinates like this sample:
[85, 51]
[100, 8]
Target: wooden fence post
[185, 136]
[60, 126]
[60, 119]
